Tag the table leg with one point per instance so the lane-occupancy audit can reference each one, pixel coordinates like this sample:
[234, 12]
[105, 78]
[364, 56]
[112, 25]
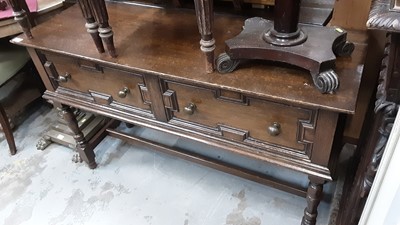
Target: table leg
[314, 195]
[7, 131]
[105, 31]
[85, 153]
[205, 20]
[91, 24]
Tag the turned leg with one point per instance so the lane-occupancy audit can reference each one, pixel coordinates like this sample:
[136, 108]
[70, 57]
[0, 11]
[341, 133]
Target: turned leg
[314, 195]
[7, 131]
[105, 31]
[21, 17]
[85, 153]
[205, 21]
[91, 24]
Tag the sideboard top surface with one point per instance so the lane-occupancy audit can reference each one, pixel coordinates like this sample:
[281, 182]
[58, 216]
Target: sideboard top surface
[166, 42]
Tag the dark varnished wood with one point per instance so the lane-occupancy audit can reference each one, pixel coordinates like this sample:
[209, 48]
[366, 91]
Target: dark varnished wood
[211, 111]
[155, 34]
[372, 146]
[314, 195]
[105, 32]
[234, 112]
[7, 131]
[89, 77]
[91, 24]
[312, 48]
[20, 15]
[205, 21]
[282, 41]
[85, 153]
[286, 16]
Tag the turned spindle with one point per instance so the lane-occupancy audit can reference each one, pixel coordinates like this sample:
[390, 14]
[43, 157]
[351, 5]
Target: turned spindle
[285, 31]
[91, 24]
[205, 21]
[105, 31]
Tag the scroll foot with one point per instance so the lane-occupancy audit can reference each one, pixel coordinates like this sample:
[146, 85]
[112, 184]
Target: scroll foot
[326, 81]
[225, 64]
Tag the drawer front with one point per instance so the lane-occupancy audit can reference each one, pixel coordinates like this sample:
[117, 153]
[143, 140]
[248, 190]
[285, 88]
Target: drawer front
[103, 83]
[243, 119]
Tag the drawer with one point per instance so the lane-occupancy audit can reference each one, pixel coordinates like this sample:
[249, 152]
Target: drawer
[243, 119]
[105, 84]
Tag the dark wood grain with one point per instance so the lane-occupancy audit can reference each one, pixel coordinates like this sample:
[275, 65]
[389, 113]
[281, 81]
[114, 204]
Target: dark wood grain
[7, 131]
[85, 153]
[314, 195]
[376, 130]
[156, 40]
[286, 16]
[21, 12]
[91, 24]
[264, 112]
[105, 32]
[205, 21]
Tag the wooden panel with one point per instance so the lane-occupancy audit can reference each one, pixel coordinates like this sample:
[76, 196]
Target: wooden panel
[371, 69]
[90, 77]
[254, 116]
[351, 14]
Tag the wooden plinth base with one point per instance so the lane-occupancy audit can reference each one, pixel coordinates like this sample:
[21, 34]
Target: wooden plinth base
[316, 54]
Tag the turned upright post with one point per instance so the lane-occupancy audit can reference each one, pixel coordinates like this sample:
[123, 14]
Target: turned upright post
[105, 31]
[285, 31]
[21, 17]
[85, 153]
[205, 21]
[91, 24]
[286, 16]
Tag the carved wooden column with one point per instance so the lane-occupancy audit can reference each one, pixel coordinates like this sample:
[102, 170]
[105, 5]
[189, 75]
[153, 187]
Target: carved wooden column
[85, 153]
[91, 24]
[314, 195]
[205, 21]
[105, 31]
[20, 15]
[384, 16]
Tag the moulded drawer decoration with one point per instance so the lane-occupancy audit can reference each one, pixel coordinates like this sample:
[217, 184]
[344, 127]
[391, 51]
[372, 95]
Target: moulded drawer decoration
[104, 84]
[240, 118]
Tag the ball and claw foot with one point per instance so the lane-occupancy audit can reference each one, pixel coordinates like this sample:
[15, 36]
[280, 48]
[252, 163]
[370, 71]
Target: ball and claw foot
[43, 143]
[76, 158]
[225, 64]
[326, 81]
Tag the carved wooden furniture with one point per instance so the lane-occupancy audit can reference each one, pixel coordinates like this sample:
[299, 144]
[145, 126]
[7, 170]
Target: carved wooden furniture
[58, 132]
[45, 9]
[384, 15]
[310, 47]
[95, 13]
[18, 86]
[263, 112]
